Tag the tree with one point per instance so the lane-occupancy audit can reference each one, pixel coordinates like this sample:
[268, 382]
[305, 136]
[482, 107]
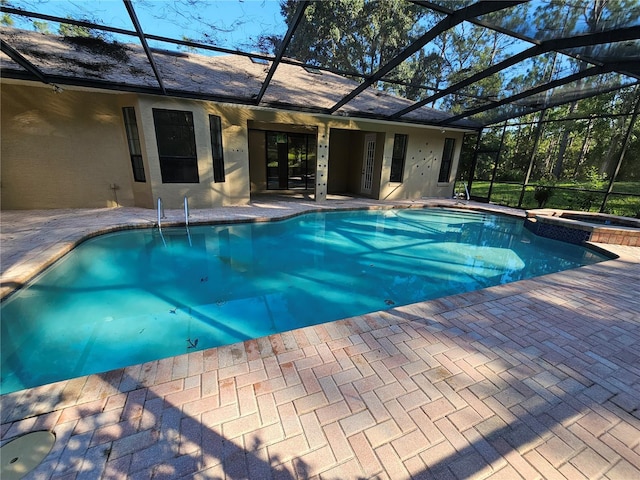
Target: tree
[596, 15]
[5, 19]
[355, 36]
[464, 51]
[70, 30]
[41, 27]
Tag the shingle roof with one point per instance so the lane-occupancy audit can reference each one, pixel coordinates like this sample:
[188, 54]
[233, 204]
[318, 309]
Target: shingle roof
[234, 78]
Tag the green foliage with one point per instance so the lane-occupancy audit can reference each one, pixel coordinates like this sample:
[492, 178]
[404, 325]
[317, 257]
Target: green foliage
[586, 200]
[567, 195]
[42, 27]
[68, 30]
[77, 31]
[187, 48]
[577, 143]
[354, 35]
[360, 36]
[595, 180]
[589, 159]
[544, 191]
[5, 19]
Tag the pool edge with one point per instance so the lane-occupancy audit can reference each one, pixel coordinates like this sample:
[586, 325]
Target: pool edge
[53, 253]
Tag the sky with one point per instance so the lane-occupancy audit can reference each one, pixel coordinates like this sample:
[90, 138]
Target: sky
[227, 23]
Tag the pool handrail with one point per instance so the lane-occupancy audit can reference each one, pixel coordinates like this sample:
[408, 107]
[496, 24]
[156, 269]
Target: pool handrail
[186, 211]
[160, 210]
[160, 217]
[186, 218]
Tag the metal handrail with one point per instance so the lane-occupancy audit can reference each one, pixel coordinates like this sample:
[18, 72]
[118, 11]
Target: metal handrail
[160, 217]
[160, 210]
[186, 211]
[186, 218]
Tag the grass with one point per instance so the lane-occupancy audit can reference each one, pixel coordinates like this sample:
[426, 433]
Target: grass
[566, 195]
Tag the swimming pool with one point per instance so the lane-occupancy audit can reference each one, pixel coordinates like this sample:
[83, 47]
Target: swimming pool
[126, 298]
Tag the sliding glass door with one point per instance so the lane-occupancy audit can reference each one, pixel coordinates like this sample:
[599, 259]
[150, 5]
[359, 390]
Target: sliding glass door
[291, 161]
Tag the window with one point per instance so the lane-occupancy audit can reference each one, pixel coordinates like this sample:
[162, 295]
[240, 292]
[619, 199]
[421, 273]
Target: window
[176, 146]
[215, 128]
[397, 160]
[447, 160]
[133, 139]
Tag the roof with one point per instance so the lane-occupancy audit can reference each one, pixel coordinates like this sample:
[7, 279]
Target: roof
[597, 52]
[94, 62]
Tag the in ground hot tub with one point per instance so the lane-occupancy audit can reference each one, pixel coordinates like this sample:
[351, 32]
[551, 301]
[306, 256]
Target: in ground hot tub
[578, 227]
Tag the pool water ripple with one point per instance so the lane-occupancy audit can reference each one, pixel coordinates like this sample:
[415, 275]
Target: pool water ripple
[129, 297]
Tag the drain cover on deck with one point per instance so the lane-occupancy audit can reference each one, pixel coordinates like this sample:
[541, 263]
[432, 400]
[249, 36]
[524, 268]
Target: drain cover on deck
[21, 455]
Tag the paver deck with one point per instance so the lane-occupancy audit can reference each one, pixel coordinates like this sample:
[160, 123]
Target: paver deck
[534, 379]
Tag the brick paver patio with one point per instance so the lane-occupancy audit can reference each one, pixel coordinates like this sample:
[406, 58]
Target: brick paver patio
[535, 379]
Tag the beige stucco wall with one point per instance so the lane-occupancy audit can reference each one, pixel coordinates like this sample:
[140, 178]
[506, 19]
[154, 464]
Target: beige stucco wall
[207, 193]
[422, 164]
[62, 150]
[66, 150]
[346, 140]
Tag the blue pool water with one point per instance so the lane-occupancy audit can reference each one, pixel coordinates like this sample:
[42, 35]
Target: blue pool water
[128, 297]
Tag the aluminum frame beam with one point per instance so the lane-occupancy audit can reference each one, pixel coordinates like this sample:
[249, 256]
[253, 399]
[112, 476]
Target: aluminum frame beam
[23, 62]
[134, 19]
[70, 21]
[631, 33]
[469, 13]
[453, 19]
[297, 17]
[175, 41]
[562, 102]
[589, 72]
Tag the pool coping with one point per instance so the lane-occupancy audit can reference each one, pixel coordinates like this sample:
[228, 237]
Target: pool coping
[558, 224]
[16, 276]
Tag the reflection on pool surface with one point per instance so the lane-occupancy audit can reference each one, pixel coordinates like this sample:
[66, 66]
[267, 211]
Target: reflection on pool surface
[125, 298]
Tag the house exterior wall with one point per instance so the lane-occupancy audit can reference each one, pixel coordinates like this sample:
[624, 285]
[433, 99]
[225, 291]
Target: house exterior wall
[63, 150]
[206, 193]
[142, 192]
[69, 150]
[422, 164]
[423, 158]
[258, 146]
